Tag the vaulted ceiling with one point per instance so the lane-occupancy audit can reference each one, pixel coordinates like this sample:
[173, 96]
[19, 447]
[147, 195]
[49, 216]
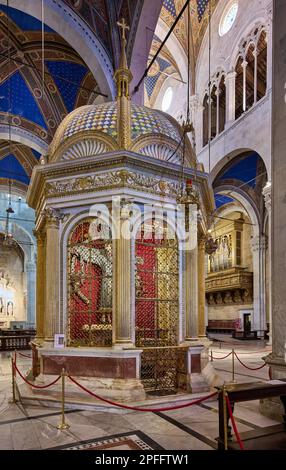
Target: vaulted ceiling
[35, 95]
[200, 11]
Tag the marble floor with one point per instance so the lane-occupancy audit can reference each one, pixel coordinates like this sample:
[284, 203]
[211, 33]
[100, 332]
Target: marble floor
[194, 428]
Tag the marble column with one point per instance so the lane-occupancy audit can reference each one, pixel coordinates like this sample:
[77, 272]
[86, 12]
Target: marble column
[191, 293]
[201, 289]
[31, 293]
[52, 274]
[230, 98]
[258, 246]
[244, 65]
[123, 322]
[267, 198]
[277, 360]
[40, 285]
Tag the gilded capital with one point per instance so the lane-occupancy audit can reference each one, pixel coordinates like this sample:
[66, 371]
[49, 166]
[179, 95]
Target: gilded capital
[52, 217]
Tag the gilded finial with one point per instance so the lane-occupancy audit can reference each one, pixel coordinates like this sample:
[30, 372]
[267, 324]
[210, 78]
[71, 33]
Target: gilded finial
[123, 77]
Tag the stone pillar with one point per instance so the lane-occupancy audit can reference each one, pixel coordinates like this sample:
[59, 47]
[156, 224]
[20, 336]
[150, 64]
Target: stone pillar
[278, 212]
[255, 76]
[230, 98]
[244, 65]
[217, 110]
[52, 274]
[201, 289]
[277, 360]
[31, 293]
[40, 286]
[267, 198]
[191, 293]
[259, 317]
[122, 282]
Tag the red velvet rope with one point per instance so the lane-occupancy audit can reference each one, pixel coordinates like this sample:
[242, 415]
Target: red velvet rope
[234, 424]
[33, 385]
[220, 358]
[24, 355]
[134, 408]
[249, 368]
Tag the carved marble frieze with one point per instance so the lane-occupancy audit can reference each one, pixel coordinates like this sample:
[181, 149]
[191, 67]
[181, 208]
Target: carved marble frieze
[112, 179]
[233, 286]
[230, 297]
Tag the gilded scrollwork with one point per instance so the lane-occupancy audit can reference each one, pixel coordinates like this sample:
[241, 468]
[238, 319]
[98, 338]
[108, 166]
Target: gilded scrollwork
[120, 178]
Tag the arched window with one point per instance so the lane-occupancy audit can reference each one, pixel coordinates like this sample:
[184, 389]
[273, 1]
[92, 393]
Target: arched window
[251, 72]
[90, 285]
[157, 287]
[262, 66]
[239, 88]
[206, 120]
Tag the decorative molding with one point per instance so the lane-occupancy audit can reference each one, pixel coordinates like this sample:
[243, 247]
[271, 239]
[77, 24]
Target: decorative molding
[85, 148]
[161, 152]
[235, 278]
[121, 178]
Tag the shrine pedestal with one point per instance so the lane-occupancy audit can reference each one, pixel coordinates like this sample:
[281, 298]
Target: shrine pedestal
[111, 373]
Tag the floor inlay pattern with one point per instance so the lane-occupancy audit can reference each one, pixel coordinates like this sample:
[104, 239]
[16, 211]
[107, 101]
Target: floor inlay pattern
[135, 440]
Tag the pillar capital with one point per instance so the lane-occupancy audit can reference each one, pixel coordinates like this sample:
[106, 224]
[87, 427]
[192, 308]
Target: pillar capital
[52, 217]
[258, 243]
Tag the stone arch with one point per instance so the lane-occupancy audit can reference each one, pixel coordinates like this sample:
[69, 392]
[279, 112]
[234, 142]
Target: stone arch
[220, 164]
[22, 136]
[62, 19]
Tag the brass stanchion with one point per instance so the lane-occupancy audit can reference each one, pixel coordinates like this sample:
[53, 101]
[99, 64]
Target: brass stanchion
[63, 425]
[13, 360]
[233, 381]
[225, 433]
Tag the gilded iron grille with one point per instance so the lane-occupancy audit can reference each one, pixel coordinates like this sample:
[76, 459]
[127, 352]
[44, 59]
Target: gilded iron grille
[89, 286]
[157, 308]
[159, 369]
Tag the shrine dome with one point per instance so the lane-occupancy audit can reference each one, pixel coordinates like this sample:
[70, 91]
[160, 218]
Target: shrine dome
[92, 130]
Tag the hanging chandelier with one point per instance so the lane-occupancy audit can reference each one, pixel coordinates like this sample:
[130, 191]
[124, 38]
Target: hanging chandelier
[8, 236]
[211, 245]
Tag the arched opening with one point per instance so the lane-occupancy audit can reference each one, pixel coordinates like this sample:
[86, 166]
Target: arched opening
[239, 87]
[89, 286]
[13, 289]
[262, 66]
[235, 286]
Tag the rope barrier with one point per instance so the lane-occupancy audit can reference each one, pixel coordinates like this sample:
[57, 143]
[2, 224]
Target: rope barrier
[24, 355]
[238, 438]
[220, 358]
[244, 352]
[135, 408]
[33, 385]
[249, 368]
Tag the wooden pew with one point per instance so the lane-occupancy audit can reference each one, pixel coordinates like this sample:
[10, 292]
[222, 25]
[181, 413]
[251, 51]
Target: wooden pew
[257, 439]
